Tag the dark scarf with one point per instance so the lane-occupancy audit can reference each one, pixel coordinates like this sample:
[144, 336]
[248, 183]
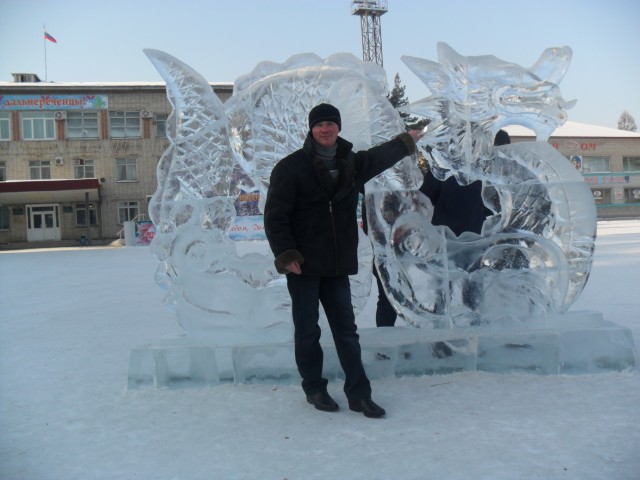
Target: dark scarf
[328, 157]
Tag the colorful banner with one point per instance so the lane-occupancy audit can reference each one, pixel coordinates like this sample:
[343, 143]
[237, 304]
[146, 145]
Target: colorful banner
[54, 102]
[576, 161]
[145, 231]
[247, 204]
[249, 223]
[248, 227]
[606, 179]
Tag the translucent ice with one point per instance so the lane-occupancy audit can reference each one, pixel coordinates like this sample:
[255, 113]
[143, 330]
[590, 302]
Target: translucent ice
[220, 287]
[532, 258]
[534, 254]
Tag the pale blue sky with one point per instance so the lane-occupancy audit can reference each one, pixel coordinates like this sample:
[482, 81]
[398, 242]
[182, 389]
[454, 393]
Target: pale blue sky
[103, 41]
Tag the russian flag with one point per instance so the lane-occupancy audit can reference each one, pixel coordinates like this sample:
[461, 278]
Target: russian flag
[49, 37]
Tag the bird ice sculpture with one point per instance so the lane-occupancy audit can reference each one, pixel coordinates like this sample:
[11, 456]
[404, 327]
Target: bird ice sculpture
[218, 150]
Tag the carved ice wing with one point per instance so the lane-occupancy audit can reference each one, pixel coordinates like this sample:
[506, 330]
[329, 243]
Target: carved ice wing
[199, 162]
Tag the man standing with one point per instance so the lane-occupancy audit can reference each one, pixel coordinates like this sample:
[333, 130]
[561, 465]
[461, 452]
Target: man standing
[310, 222]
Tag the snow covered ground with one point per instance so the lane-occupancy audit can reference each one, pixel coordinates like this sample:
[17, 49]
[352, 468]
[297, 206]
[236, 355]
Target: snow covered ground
[71, 317]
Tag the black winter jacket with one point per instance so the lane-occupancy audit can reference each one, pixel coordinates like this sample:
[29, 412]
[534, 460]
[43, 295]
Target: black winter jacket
[459, 207]
[308, 219]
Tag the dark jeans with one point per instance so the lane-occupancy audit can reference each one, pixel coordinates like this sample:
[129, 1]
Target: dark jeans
[385, 314]
[335, 295]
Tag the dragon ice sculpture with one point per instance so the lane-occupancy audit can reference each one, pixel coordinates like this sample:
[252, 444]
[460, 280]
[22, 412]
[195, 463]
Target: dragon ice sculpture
[533, 256]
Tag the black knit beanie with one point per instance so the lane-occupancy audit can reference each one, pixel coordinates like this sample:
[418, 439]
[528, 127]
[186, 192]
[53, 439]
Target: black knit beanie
[502, 138]
[324, 113]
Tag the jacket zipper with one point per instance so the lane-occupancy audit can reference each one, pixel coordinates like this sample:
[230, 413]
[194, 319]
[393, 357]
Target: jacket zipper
[333, 228]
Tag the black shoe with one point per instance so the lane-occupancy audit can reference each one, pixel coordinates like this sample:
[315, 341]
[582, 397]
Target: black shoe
[368, 407]
[322, 401]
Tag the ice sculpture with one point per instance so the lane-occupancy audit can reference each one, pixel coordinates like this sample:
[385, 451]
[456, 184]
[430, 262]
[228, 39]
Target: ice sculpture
[230, 289]
[534, 254]
[532, 258]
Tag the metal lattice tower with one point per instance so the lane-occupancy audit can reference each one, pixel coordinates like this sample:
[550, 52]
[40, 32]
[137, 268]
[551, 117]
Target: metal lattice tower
[370, 12]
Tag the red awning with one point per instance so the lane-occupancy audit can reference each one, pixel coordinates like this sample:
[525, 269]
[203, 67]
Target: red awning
[49, 191]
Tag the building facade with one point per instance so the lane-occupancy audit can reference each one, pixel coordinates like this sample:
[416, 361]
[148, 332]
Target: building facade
[607, 158]
[77, 160]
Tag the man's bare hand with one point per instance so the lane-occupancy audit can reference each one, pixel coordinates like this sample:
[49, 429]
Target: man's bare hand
[294, 267]
[416, 134]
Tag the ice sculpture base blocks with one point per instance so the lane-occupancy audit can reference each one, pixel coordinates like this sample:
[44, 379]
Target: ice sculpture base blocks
[574, 343]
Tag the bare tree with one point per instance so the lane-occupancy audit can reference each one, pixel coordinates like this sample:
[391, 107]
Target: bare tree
[627, 122]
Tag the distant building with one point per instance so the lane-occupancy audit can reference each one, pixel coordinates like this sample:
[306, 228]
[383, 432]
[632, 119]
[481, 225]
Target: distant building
[77, 160]
[607, 158]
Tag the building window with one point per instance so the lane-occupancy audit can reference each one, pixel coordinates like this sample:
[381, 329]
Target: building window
[161, 125]
[632, 195]
[81, 215]
[3, 171]
[82, 125]
[631, 164]
[595, 164]
[38, 126]
[40, 169]
[5, 125]
[124, 124]
[4, 218]
[127, 211]
[126, 170]
[83, 168]
[602, 196]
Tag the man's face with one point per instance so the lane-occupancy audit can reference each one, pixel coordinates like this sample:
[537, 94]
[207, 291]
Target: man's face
[325, 133]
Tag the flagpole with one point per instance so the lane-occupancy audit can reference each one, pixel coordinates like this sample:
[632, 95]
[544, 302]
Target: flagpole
[44, 39]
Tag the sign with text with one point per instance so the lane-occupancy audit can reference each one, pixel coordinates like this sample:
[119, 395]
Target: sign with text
[54, 102]
[606, 179]
[248, 227]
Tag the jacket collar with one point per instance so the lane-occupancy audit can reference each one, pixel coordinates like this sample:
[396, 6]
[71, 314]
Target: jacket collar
[345, 168]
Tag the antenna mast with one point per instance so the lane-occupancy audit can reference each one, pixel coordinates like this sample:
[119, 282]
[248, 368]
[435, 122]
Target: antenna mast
[370, 12]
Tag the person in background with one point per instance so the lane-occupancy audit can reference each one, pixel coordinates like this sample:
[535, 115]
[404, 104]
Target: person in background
[459, 207]
[311, 225]
[385, 313]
